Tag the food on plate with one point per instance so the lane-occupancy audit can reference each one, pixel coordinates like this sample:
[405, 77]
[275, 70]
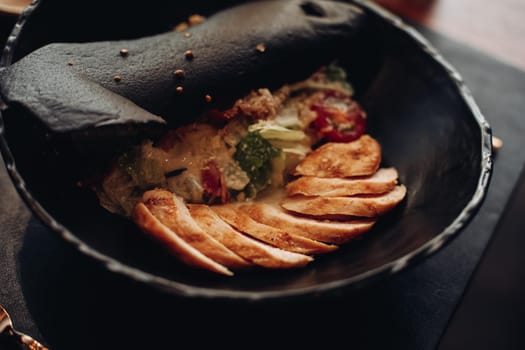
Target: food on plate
[261, 183]
[233, 154]
[233, 151]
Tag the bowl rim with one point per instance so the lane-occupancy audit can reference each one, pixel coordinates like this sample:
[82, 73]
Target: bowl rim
[187, 290]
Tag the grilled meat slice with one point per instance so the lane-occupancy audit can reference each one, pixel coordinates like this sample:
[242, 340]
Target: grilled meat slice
[250, 249]
[320, 230]
[366, 206]
[271, 235]
[171, 211]
[173, 243]
[357, 158]
[382, 181]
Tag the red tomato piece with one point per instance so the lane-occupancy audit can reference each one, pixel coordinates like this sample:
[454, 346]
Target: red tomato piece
[339, 118]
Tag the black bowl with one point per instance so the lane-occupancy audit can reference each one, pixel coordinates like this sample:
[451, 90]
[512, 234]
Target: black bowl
[424, 116]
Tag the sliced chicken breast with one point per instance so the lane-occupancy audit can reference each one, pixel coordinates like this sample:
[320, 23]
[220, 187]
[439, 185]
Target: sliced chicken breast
[271, 235]
[320, 230]
[382, 181]
[252, 250]
[173, 243]
[357, 158]
[171, 211]
[366, 206]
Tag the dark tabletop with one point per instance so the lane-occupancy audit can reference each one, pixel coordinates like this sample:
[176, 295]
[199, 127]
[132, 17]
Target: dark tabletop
[69, 302]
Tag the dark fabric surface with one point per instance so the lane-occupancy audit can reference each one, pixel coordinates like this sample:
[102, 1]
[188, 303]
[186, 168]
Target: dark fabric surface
[69, 302]
[491, 314]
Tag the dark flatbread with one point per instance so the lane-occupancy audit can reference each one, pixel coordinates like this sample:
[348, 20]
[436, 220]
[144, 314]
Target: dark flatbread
[72, 87]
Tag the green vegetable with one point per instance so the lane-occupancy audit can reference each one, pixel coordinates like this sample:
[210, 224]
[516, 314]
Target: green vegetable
[288, 117]
[271, 131]
[335, 73]
[145, 172]
[135, 171]
[254, 154]
[338, 73]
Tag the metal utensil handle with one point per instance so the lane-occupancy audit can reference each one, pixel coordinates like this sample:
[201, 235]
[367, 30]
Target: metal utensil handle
[28, 342]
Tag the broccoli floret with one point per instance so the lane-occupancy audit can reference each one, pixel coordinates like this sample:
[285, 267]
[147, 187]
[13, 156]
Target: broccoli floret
[254, 154]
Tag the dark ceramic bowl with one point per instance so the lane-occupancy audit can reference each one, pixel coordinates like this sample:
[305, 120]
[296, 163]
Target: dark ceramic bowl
[419, 109]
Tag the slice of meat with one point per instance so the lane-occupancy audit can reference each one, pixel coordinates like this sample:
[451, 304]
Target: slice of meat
[357, 158]
[382, 181]
[271, 235]
[252, 250]
[172, 212]
[173, 243]
[320, 230]
[367, 206]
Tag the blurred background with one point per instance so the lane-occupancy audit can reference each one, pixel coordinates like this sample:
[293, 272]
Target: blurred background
[494, 27]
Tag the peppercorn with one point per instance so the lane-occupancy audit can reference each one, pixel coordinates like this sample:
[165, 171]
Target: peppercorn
[189, 55]
[179, 73]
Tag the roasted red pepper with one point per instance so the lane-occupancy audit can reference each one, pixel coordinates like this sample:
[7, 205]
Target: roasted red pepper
[214, 184]
[339, 118]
